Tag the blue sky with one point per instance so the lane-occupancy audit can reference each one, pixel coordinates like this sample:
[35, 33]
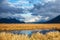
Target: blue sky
[30, 10]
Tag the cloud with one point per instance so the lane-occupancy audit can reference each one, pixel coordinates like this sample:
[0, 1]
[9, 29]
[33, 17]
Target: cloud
[33, 19]
[21, 4]
[2, 1]
[47, 18]
[6, 7]
[50, 9]
[30, 18]
[46, 1]
[30, 11]
[7, 11]
[5, 15]
[12, 16]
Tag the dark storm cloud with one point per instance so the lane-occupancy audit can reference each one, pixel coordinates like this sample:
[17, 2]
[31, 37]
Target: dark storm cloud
[1, 1]
[7, 11]
[51, 9]
[5, 7]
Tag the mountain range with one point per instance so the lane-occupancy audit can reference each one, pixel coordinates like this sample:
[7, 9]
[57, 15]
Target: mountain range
[6, 20]
[54, 20]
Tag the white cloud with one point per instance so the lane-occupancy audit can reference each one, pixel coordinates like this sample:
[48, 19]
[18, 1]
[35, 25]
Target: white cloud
[33, 19]
[27, 17]
[49, 1]
[21, 4]
[47, 18]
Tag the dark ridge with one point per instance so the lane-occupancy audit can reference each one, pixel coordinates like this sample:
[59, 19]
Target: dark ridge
[55, 20]
[5, 20]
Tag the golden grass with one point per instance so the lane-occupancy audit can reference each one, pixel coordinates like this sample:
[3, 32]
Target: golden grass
[28, 26]
[34, 36]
